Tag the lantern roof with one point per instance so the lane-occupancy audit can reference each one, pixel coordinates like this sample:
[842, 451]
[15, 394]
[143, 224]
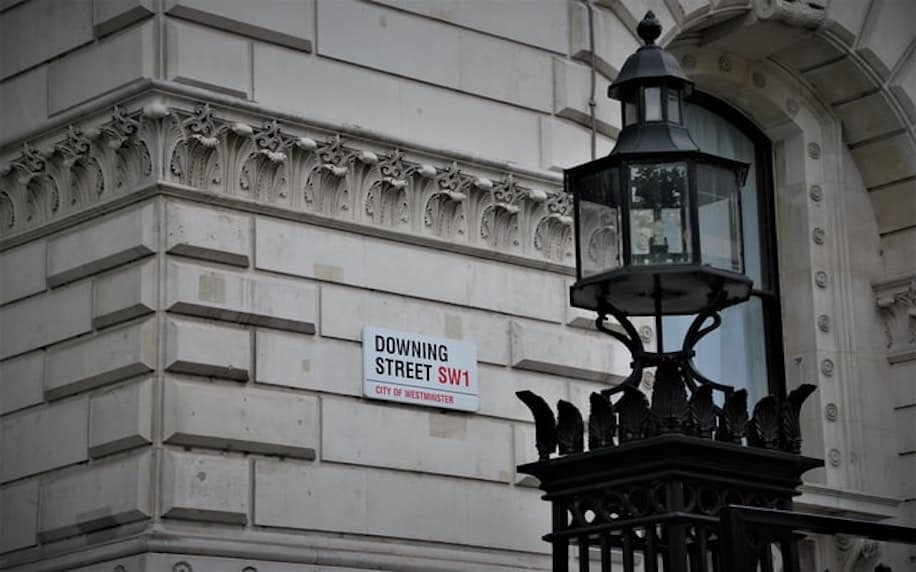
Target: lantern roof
[650, 62]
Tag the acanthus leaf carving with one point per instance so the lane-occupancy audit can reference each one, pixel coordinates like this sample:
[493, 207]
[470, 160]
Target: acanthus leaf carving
[896, 303]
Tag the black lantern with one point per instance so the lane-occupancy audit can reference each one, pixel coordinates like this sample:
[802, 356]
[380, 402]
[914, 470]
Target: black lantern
[658, 222]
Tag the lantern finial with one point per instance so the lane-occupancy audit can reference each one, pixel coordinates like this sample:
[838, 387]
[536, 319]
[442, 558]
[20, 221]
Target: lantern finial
[650, 28]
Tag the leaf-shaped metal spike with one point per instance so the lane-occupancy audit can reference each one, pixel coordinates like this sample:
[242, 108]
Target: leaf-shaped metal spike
[703, 412]
[602, 424]
[733, 419]
[789, 417]
[570, 429]
[545, 425]
[669, 398]
[633, 414]
[764, 427]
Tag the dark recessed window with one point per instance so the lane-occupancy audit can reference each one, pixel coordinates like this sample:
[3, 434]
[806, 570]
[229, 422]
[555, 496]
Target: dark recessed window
[746, 351]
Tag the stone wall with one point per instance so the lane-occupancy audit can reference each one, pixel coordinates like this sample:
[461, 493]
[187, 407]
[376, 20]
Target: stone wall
[203, 203]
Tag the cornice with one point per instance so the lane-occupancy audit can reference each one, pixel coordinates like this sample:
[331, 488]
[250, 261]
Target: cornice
[246, 159]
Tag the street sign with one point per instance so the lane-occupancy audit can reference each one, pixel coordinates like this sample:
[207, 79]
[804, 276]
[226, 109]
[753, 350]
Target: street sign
[420, 370]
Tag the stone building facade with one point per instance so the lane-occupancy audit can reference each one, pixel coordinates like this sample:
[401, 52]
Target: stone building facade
[203, 202]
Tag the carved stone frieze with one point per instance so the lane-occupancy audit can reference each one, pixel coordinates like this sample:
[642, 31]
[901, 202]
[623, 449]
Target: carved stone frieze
[293, 167]
[897, 306]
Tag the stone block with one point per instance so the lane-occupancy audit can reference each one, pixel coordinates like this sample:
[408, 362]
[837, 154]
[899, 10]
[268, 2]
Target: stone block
[845, 19]
[840, 80]
[34, 32]
[867, 117]
[544, 24]
[22, 271]
[21, 381]
[281, 22]
[571, 94]
[903, 379]
[102, 244]
[895, 206]
[208, 234]
[304, 495]
[101, 359]
[206, 58]
[78, 77]
[613, 41]
[301, 250]
[200, 348]
[903, 86]
[906, 429]
[304, 362]
[125, 294]
[95, 497]
[344, 312]
[19, 516]
[413, 111]
[451, 56]
[525, 452]
[809, 53]
[111, 15]
[565, 145]
[899, 252]
[25, 103]
[567, 353]
[499, 384]
[121, 418]
[631, 12]
[247, 298]
[253, 420]
[886, 160]
[42, 439]
[887, 34]
[395, 504]
[205, 487]
[441, 443]
[45, 319]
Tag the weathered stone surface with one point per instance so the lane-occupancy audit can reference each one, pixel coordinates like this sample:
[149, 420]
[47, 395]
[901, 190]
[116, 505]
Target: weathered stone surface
[125, 294]
[887, 34]
[255, 420]
[206, 58]
[121, 418]
[525, 452]
[42, 439]
[97, 360]
[111, 15]
[398, 107]
[903, 86]
[21, 381]
[18, 515]
[45, 319]
[33, 32]
[200, 348]
[102, 244]
[867, 117]
[906, 429]
[899, 252]
[208, 234]
[840, 80]
[564, 145]
[344, 312]
[613, 41]
[247, 298]
[422, 272]
[205, 487]
[452, 57]
[129, 55]
[304, 362]
[99, 496]
[895, 206]
[499, 384]
[404, 505]
[439, 443]
[25, 103]
[288, 23]
[571, 85]
[544, 24]
[886, 160]
[570, 354]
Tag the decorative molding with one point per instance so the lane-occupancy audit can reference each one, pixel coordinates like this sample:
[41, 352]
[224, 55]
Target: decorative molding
[291, 168]
[896, 301]
[809, 14]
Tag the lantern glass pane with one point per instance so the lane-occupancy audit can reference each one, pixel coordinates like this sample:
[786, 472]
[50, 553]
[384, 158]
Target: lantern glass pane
[658, 214]
[674, 107]
[598, 220]
[629, 113]
[653, 97]
[719, 217]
